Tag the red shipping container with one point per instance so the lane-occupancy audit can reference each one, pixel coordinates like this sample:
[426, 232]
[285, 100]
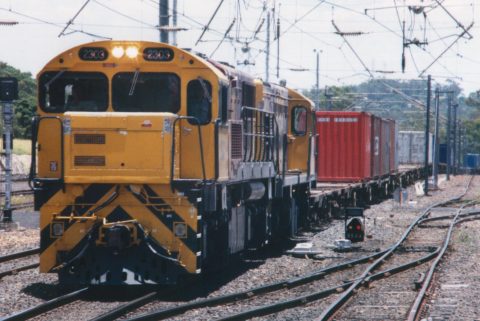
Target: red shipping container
[353, 146]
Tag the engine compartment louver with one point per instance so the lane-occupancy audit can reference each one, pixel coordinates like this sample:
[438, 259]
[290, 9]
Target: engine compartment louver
[237, 141]
[89, 161]
[89, 139]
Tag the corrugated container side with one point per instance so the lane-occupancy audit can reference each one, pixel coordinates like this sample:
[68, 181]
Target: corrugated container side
[376, 130]
[343, 151]
[392, 146]
[394, 143]
[411, 147]
[384, 149]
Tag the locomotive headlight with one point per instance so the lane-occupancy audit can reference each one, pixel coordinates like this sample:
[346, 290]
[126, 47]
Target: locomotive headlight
[118, 52]
[57, 229]
[132, 52]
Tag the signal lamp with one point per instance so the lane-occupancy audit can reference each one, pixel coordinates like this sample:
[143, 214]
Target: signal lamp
[118, 52]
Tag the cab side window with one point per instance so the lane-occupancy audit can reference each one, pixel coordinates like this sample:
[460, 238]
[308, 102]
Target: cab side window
[299, 121]
[199, 101]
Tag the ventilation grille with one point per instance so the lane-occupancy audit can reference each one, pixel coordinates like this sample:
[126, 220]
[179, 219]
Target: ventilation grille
[89, 139]
[236, 146]
[89, 161]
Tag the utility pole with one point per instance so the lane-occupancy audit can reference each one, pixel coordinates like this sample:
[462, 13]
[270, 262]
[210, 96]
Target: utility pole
[278, 47]
[328, 95]
[174, 21]
[455, 163]
[449, 128]
[8, 93]
[427, 133]
[163, 19]
[436, 145]
[267, 53]
[317, 83]
[277, 37]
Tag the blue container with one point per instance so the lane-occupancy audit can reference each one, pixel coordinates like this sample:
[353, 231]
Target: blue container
[443, 153]
[471, 161]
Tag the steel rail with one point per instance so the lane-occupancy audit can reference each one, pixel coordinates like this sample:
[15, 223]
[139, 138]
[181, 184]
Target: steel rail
[124, 308]
[293, 302]
[46, 306]
[168, 312]
[337, 304]
[19, 269]
[260, 311]
[302, 300]
[415, 308]
[15, 178]
[21, 205]
[19, 255]
[19, 192]
[271, 287]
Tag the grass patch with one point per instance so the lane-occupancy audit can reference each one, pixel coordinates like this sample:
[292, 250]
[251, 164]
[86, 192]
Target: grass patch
[464, 237]
[20, 146]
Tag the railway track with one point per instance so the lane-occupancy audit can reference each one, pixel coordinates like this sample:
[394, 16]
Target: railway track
[20, 188]
[47, 306]
[15, 256]
[394, 298]
[20, 206]
[18, 192]
[412, 255]
[270, 298]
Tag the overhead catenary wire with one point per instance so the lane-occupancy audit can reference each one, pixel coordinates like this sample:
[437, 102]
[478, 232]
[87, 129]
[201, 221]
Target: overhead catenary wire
[224, 36]
[46, 22]
[205, 28]
[446, 49]
[73, 19]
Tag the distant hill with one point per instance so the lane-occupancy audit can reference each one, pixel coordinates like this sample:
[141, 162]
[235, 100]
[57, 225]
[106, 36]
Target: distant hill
[395, 99]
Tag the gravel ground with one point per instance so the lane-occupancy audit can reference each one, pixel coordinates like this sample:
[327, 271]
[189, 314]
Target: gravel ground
[385, 223]
[457, 282]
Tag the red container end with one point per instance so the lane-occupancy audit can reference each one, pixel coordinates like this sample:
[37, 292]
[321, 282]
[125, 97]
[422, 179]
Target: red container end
[353, 146]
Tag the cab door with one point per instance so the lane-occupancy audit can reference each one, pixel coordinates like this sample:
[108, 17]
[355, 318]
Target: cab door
[298, 139]
[199, 100]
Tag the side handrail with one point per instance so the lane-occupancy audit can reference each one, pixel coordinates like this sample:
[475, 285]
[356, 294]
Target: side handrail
[258, 131]
[36, 120]
[200, 141]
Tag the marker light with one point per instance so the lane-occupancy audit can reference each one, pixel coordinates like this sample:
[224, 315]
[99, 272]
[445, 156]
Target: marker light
[132, 52]
[118, 52]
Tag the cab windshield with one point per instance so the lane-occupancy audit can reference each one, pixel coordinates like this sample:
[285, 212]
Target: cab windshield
[146, 92]
[61, 91]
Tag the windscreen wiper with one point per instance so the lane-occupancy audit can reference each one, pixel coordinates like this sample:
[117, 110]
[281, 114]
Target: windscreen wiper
[58, 75]
[134, 82]
[206, 94]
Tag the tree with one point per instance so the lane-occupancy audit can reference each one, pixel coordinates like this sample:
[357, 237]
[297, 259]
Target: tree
[24, 107]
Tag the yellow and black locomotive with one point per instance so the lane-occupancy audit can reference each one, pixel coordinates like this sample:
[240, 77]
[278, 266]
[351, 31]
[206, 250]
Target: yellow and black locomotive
[150, 163]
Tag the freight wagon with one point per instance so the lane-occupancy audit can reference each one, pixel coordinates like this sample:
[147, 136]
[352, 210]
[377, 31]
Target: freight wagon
[354, 146]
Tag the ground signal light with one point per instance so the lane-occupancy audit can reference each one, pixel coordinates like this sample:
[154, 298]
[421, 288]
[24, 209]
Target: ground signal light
[354, 224]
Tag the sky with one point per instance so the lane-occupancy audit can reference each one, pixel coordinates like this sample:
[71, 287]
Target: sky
[372, 46]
